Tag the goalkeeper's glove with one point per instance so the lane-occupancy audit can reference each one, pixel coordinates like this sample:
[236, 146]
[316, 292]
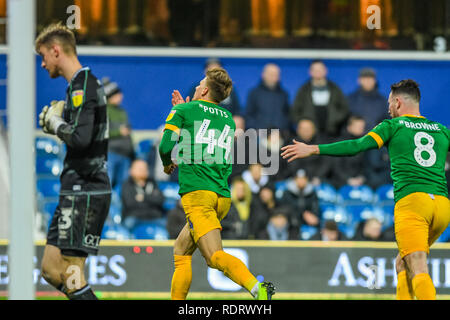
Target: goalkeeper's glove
[51, 118]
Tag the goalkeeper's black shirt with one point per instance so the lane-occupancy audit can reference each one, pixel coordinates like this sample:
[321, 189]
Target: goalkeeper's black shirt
[85, 135]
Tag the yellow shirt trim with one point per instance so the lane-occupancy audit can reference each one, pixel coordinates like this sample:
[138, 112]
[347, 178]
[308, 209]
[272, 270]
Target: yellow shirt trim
[412, 116]
[172, 128]
[208, 101]
[377, 139]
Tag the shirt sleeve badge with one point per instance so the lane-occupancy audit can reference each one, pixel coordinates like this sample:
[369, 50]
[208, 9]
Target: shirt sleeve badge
[77, 98]
[171, 114]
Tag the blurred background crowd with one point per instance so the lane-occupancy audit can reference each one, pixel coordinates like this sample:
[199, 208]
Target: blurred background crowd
[319, 198]
[340, 24]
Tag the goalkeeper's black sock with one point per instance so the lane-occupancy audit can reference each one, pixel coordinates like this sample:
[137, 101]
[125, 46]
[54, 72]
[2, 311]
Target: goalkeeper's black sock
[84, 293]
[62, 289]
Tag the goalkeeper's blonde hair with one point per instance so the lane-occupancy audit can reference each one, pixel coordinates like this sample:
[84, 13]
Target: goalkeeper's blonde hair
[57, 33]
[219, 83]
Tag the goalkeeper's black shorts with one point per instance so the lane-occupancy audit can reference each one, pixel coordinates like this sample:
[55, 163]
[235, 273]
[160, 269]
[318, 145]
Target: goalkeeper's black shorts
[77, 224]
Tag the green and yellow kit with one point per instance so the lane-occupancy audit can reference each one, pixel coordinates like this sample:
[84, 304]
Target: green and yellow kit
[417, 149]
[205, 134]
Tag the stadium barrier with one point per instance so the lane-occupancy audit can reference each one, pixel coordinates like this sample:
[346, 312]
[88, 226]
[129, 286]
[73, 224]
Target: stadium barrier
[299, 269]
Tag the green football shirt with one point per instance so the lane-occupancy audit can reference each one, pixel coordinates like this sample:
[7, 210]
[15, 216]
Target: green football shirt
[206, 134]
[417, 149]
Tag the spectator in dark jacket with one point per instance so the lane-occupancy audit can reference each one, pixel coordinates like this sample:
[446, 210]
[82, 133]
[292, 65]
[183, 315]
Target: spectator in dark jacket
[268, 103]
[241, 150]
[120, 145]
[329, 232]
[319, 169]
[367, 102]
[322, 101]
[141, 198]
[377, 167]
[301, 197]
[263, 209]
[176, 220]
[280, 226]
[351, 170]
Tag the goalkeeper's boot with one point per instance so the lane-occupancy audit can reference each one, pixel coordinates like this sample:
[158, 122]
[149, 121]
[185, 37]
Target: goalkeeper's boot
[265, 291]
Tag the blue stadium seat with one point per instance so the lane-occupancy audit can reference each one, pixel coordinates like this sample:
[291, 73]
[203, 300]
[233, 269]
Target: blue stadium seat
[115, 209]
[356, 195]
[358, 213]
[48, 187]
[385, 193]
[306, 232]
[118, 189]
[357, 202]
[114, 231]
[170, 193]
[348, 230]
[343, 219]
[143, 148]
[445, 236]
[280, 187]
[116, 198]
[48, 147]
[385, 214]
[326, 193]
[334, 212]
[384, 204]
[48, 166]
[149, 230]
[115, 213]
[49, 207]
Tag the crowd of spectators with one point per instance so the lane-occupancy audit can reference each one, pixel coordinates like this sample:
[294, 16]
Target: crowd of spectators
[337, 24]
[320, 113]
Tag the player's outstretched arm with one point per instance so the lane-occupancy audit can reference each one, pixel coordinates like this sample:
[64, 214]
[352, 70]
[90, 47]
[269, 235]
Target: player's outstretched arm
[344, 148]
[298, 150]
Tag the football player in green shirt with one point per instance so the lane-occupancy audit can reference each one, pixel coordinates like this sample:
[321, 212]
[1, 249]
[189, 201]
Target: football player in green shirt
[417, 149]
[204, 132]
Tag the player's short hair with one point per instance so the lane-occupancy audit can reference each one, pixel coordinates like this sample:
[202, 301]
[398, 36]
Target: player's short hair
[57, 33]
[219, 84]
[408, 87]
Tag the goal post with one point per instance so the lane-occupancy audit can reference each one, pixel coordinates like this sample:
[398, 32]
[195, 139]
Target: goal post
[21, 100]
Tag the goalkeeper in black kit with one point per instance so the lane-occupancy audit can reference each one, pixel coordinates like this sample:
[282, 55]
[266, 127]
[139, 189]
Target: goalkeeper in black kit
[81, 123]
